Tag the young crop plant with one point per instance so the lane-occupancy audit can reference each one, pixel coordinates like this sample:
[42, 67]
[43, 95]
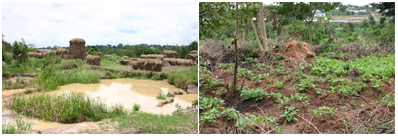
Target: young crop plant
[216, 82]
[301, 97]
[209, 102]
[225, 65]
[261, 66]
[361, 86]
[389, 100]
[290, 113]
[324, 112]
[304, 85]
[280, 70]
[279, 84]
[259, 77]
[257, 93]
[347, 89]
[302, 65]
[251, 60]
[221, 91]
[339, 81]
[243, 71]
[288, 77]
[212, 115]
[377, 84]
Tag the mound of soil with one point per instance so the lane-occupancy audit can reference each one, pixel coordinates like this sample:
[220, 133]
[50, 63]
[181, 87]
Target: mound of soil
[298, 51]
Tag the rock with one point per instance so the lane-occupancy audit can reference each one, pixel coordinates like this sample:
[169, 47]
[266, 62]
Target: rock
[192, 88]
[165, 102]
[106, 75]
[170, 100]
[176, 93]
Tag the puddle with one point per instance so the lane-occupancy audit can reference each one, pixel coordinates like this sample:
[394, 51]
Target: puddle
[124, 91]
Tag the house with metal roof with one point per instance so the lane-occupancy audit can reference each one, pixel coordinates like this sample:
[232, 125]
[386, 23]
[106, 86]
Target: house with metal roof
[350, 19]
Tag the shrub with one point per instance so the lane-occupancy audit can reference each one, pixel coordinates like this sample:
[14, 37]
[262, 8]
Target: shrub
[136, 107]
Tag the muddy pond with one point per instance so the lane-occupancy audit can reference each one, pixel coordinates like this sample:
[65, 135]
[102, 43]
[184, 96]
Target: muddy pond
[125, 91]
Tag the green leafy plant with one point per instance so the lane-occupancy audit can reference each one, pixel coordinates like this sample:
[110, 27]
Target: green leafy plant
[257, 93]
[279, 84]
[288, 77]
[324, 112]
[290, 113]
[161, 96]
[136, 107]
[304, 85]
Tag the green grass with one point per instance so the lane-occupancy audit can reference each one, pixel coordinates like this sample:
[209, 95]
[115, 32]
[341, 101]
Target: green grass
[180, 78]
[160, 96]
[65, 108]
[108, 64]
[177, 123]
[50, 79]
[19, 128]
[70, 64]
[28, 67]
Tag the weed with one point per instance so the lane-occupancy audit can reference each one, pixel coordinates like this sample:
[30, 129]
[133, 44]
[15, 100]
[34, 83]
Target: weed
[161, 96]
[20, 127]
[136, 107]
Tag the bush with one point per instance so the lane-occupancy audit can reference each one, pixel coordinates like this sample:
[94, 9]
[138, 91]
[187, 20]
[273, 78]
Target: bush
[7, 57]
[350, 39]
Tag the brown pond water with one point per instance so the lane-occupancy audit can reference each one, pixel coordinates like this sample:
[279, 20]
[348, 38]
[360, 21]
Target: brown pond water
[124, 91]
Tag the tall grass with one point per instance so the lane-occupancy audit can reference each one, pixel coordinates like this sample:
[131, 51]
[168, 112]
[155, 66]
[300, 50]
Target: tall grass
[50, 79]
[19, 128]
[65, 108]
[181, 78]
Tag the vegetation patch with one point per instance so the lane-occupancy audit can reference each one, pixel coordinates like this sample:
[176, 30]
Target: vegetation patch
[64, 108]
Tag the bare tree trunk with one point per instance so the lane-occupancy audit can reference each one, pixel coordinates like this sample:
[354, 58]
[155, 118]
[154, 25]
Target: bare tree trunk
[232, 94]
[310, 32]
[255, 33]
[262, 27]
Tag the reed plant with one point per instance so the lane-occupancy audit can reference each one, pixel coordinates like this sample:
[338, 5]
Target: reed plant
[50, 79]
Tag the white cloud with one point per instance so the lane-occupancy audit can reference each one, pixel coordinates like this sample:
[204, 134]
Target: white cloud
[48, 24]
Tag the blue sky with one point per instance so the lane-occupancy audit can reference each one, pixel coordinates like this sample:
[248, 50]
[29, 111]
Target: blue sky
[55, 23]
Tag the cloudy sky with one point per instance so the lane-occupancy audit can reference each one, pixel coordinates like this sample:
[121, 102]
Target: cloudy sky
[48, 24]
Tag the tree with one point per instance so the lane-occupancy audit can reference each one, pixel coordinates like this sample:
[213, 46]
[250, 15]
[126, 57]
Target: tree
[372, 20]
[120, 46]
[20, 51]
[365, 24]
[232, 94]
[342, 8]
[306, 11]
[382, 20]
[387, 9]
[279, 16]
[262, 40]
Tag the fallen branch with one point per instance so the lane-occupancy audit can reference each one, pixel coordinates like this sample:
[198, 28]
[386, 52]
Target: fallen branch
[310, 123]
